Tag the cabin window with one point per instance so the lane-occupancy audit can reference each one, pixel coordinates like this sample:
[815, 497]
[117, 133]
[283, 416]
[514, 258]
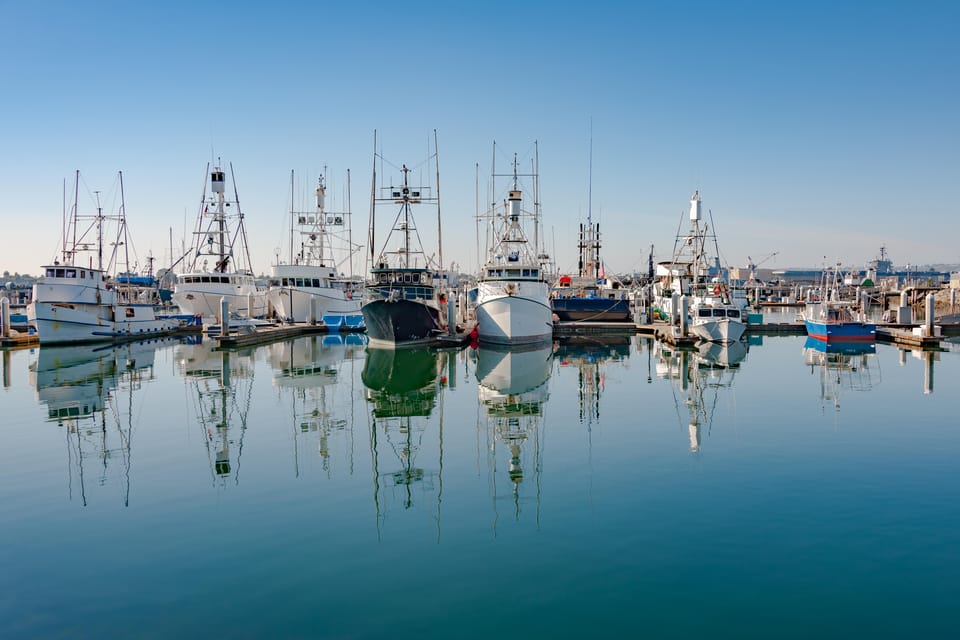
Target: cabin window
[719, 313]
[316, 282]
[406, 278]
[416, 277]
[59, 273]
[72, 273]
[492, 273]
[204, 278]
[128, 312]
[83, 274]
[50, 273]
[733, 313]
[526, 273]
[703, 313]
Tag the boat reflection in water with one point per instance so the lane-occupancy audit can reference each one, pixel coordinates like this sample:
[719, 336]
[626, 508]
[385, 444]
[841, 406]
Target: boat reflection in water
[591, 356]
[220, 385]
[843, 365]
[699, 376]
[405, 397]
[307, 377]
[512, 389]
[91, 391]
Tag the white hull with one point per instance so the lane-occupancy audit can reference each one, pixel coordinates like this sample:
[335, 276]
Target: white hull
[722, 330]
[59, 322]
[514, 312]
[293, 303]
[203, 299]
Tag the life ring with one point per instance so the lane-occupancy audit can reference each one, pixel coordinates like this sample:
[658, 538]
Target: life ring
[716, 289]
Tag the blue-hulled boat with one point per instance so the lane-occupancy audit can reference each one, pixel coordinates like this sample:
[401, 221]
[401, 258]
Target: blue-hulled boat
[835, 322]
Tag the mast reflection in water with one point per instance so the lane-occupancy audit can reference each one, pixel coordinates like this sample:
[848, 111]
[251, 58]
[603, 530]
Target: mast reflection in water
[220, 385]
[404, 388]
[307, 375]
[91, 391]
[698, 376]
[512, 389]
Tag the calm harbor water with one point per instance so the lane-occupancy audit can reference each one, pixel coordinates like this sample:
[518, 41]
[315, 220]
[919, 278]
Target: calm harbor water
[317, 488]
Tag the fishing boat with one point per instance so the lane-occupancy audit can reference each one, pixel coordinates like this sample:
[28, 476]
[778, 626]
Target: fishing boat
[78, 299]
[405, 295]
[832, 319]
[716, 313]
[309, 284]
[218, 265]
[590, 296]
[513, 298]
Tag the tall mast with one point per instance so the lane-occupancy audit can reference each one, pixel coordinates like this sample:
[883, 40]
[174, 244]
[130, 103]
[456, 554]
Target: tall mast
[122, 236]
[373, 198]
[292, 216]
[436, 164]
[350, 226]
[536, 198]
[406, 219]
[99, 232]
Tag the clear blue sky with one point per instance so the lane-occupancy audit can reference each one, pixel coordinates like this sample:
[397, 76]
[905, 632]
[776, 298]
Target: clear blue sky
[814, 129]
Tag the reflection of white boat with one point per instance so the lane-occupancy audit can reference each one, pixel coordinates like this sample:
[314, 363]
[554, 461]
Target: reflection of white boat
[722, 355]
[699, 377]
[307, 375]
[220, 385]
[91, 392]
[512, 390]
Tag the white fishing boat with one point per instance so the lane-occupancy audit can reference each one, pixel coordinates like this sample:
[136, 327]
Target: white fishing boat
[716, 313]
[513, 297]
[77, 299]
[218, 265]
[311, 283]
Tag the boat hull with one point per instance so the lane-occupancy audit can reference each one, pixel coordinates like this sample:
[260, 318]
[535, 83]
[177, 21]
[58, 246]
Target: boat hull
[59, 323]
[575, 309]
[841, 332]
[513, 319]
[723, 330]
[401, 322]
[197, 299]
[293, 303]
